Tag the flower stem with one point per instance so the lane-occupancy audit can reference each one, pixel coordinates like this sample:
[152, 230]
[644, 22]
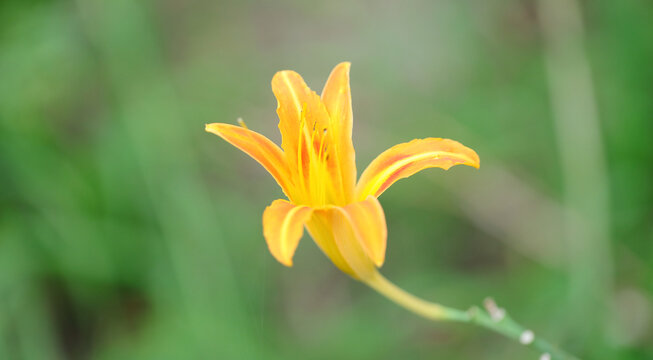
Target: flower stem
[492, 317]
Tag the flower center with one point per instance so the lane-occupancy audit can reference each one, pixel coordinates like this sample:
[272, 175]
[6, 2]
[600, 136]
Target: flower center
[315, 181]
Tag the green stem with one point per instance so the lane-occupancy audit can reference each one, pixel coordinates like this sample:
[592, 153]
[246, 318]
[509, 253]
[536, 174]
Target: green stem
[493, 318]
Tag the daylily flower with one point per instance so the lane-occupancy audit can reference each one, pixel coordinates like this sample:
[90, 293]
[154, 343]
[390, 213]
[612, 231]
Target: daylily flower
[316, 170]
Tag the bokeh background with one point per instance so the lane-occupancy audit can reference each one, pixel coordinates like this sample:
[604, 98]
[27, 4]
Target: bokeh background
[127, 232]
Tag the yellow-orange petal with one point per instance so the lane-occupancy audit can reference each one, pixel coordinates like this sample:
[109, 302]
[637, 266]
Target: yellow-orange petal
[404, 160]
[336, 96]
[259, 148]
[321, 229]
[283, 226]
[300, 110]
[360, 234]
[368, 222]
[351, 249]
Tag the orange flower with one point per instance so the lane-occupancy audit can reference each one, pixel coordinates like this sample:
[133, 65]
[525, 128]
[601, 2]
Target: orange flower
[317, 172]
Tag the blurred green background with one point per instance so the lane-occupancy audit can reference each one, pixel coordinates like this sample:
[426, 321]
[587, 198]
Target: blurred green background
[127, 232]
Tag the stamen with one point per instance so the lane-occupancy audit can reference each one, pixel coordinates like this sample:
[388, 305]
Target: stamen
[241, 123]
[300, 138]
[323, 167]
[313, 176]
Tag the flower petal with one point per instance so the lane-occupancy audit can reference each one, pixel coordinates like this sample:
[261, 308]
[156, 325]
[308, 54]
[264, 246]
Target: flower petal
[300, 112]
[259, 148]
[368, 222]
[321, 229]
[283, 226]
[337, 99]
[359, 232]
[348, 236]
[404, 160]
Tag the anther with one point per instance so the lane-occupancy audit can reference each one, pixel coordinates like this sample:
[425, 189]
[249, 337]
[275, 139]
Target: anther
[241, 122]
